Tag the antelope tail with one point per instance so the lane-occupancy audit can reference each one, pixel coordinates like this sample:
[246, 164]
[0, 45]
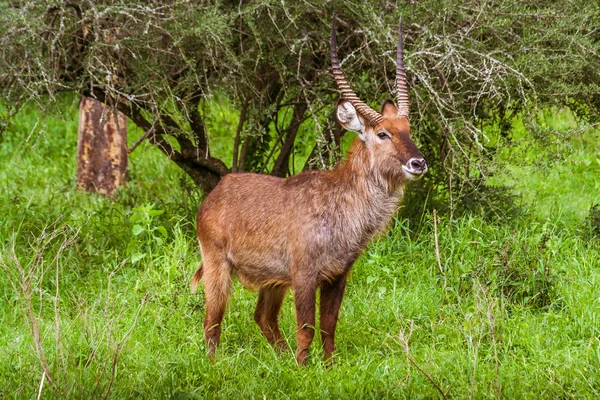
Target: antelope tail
[196, 279]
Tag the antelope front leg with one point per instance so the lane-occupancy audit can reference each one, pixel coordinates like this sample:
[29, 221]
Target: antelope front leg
[304, 298]
[331, 300]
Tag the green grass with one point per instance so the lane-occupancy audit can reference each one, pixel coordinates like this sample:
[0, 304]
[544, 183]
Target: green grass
[515, 314]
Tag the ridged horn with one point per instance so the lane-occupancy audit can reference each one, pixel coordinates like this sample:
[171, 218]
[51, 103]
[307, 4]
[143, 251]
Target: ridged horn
[401, 85]
[364, 110]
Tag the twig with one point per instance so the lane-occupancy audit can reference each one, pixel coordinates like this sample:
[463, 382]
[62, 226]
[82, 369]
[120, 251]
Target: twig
[491, 304]
[118, 348]
[479, 307]
[491, 319]
[437, 247]
[141, 139]
[413, 362]
[404, 342]
[39, 396]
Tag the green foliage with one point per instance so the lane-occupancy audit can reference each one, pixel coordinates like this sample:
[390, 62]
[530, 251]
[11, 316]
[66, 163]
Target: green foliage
[548, 166]
[473, 69]
[146, 233]
[509, 309]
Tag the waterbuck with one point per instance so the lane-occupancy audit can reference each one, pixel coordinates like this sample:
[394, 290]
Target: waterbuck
[306, 231]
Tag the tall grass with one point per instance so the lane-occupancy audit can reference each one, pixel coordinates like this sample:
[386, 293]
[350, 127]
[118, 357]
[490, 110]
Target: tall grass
[96, 302]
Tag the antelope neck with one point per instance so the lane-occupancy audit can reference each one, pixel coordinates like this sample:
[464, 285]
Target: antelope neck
[359, 172]
[367, 200]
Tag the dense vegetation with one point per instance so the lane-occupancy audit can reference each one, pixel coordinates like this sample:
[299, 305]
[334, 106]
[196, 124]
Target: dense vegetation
[486, 285]
[97, 291]
[472, 66]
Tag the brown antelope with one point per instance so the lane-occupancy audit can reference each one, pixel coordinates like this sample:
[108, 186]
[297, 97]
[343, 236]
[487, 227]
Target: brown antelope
[306, 231]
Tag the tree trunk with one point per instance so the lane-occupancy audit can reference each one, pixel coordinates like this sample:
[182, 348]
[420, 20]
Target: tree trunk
[101, 147]
[281, 166]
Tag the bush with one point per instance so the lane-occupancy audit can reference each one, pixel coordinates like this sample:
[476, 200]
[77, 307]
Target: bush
[472, 68]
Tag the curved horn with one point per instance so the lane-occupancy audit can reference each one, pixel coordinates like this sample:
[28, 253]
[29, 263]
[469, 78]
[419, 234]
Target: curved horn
[401, 86]
[364, 110]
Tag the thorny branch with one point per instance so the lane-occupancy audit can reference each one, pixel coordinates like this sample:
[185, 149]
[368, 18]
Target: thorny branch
[469, 66]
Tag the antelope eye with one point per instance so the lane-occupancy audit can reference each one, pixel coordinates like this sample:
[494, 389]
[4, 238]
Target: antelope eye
[383, 135]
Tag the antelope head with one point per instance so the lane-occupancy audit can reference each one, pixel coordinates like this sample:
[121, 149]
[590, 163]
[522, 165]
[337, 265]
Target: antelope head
[386, 134]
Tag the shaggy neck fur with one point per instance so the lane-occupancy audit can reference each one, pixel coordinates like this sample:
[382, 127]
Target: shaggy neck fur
[364, 199]
[360, 170]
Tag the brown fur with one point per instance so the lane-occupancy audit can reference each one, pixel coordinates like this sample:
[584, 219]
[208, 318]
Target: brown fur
[302, 233]
[196, 279]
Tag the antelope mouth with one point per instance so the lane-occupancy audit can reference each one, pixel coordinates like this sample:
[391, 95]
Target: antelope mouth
[412, 173]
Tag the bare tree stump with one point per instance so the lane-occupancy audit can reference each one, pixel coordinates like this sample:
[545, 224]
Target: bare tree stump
[101, 148]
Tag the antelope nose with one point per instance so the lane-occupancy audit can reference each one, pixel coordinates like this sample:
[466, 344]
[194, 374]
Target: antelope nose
[417, 165]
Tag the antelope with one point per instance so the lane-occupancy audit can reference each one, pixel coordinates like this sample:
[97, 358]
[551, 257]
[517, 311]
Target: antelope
[305, 232]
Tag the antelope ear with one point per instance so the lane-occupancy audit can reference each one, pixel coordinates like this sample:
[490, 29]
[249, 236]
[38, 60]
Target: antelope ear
[389, 110]
[349, 118]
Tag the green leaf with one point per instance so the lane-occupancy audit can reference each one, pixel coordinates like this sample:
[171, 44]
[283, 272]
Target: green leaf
[135, 257]
[137, 229]
[162, 230]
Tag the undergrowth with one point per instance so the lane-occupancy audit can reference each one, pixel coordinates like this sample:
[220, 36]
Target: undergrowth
[96, 301]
